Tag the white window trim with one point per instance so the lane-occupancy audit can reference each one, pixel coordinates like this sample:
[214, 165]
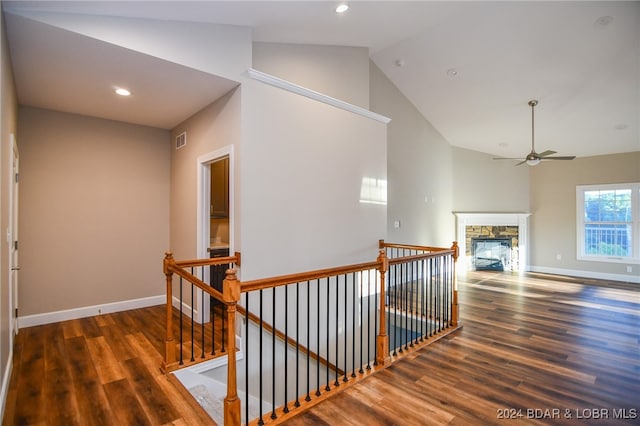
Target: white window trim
[635, 222]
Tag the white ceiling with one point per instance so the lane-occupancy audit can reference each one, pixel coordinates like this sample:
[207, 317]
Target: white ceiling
[586, 75]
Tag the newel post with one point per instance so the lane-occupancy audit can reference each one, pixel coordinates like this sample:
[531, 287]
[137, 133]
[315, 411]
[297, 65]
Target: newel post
[455, 309]
[231, 296]
[382, 340]
[170, 347]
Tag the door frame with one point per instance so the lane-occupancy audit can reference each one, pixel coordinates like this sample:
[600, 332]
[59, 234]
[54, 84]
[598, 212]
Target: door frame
[12, 237]
[203, 224]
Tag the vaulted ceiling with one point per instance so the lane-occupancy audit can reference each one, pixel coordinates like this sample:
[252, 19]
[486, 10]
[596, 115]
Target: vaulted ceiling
[469, 67]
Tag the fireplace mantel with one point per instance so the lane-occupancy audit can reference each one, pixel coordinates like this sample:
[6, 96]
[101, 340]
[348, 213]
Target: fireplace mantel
[521, 220]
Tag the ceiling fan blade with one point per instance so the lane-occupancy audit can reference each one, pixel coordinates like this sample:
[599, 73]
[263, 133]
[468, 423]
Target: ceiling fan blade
[549, 152]
[569, 157]
[522, 162]
[506, 158]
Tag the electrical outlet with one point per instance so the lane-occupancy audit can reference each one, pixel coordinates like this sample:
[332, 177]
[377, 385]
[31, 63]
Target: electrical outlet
[629, 268]
[558, 256]
[396, 224]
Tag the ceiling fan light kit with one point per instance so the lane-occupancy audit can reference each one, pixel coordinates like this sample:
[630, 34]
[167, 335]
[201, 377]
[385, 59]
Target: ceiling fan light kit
[533, 158]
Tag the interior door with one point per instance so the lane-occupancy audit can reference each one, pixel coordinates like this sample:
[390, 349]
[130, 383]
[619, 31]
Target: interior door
[12, 238]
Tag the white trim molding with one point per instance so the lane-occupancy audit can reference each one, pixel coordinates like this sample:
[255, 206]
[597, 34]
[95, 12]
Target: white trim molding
[521, 220]
[303, 91]
[89, 311]
[587, 274]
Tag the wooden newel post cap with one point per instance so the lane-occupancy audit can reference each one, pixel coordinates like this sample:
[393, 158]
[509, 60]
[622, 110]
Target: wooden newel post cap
[231, 286]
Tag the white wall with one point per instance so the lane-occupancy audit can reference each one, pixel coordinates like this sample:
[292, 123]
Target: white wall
[223, 50]
[336, 71]
[420, 170]
[302, 167]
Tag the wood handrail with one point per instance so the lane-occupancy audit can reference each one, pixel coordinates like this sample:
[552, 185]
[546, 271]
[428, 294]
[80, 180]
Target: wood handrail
[261, 284]
[209, 261]
[412, 258]
[176, 267]
[382, 244]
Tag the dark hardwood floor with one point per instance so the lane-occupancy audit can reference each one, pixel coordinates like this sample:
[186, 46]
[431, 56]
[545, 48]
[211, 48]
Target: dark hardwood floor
[534, 349]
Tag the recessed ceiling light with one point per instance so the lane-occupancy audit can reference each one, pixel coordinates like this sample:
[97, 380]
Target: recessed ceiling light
[122, 92]
[603, 21]
[452, 72]
[342, 8]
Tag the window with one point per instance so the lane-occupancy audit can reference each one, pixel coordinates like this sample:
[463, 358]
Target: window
[608, 222]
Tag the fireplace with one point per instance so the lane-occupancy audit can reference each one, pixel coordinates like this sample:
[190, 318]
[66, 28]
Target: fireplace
[501, 240]
[491, 254]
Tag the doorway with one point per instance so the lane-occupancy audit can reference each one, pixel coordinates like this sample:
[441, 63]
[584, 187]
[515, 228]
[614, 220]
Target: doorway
[215, 230]
[12, 238]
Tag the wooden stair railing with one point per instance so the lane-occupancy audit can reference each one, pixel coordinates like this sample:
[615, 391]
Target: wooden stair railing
[405, 250]
[231, 297]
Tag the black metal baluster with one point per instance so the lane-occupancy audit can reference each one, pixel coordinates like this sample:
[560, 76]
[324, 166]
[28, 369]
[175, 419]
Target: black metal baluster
[246, 358]
[394, 329]
[223, 308]
[181, 325]
[369, 318]
[308, 398]
[414, 303]
[261, 332]
[345, 328]
[375, 314]
[286, 338]
[405, 301]
[192, 322]
[327, 387]
[400, 310]
[437, 295]
[297, 403]
[213, 302]
[429, 296]
[273, 353]
[361, 326]
[423, 283]
[318, 337]
[337, 305]
[353, 325]
[202, 333]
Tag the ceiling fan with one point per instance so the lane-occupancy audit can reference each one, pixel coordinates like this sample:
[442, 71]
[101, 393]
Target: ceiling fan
[533, 158]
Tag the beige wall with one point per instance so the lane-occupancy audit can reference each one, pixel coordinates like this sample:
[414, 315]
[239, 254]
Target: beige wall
[339, 72]
[215, 127]
[8, 126]
[419, 170]
[553, 208]
[94, 211]
[481, 184]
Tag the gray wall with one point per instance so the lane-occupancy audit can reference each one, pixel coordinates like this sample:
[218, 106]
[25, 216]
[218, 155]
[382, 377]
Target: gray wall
[481, 184]
[419, 170]
[553, 208]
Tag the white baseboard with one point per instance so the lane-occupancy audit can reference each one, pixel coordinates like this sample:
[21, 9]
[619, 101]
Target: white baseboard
[89, 311]
[586, 274]
[5, 383]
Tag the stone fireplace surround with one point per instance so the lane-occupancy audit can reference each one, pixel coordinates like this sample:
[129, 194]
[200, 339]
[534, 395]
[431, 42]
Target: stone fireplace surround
[472, 221]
